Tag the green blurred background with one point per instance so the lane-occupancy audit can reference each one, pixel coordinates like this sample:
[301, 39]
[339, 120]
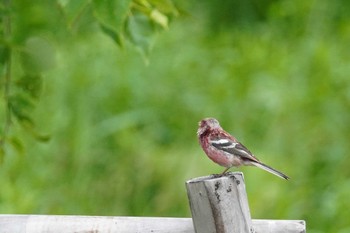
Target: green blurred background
[123, 132]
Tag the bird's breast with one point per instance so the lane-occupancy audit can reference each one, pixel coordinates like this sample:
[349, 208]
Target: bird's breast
[222, 158]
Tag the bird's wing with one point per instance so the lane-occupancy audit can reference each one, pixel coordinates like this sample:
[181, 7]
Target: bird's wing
[234, 148]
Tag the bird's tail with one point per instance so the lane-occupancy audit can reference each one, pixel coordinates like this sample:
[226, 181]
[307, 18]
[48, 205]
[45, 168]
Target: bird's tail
[270, 169]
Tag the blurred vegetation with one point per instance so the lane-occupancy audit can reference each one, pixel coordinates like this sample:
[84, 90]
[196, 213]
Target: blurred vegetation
[118, 129]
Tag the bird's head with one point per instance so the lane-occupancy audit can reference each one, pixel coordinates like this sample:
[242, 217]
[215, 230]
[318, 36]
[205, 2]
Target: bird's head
[206, 125]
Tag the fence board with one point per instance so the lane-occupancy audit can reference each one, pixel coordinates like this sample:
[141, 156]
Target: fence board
[101, 224]
[92, 224]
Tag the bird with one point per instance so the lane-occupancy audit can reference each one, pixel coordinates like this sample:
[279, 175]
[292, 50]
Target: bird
[225, 150]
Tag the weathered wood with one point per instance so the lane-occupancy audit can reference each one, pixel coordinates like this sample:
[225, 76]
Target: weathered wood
[279, 226]
[219, 204]
[100, 224]
[92, 224]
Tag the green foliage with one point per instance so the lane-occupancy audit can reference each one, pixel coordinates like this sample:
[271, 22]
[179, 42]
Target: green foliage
[112, 16]
[123, 134]
[37, 57]
[28, 37]
[135, 20]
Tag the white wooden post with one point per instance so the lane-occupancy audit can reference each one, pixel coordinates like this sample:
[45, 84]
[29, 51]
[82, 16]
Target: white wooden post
[219, 204]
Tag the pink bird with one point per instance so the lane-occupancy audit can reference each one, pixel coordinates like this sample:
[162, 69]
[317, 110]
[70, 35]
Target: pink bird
[225, 150]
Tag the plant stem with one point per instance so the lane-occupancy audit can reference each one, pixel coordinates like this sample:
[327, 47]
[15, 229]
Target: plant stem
[7, 75]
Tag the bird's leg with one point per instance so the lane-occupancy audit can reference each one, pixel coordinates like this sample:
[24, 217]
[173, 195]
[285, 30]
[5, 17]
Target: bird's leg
[225, 171]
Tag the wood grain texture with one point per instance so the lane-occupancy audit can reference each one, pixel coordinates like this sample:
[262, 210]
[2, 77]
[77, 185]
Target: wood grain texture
[279, 226]
[92, 224]
[219, 204]
[101, 224]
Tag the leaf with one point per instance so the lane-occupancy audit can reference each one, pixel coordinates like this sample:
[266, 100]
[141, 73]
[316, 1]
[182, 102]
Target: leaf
[159, 18]
[167, 7]
[20, 107]
[32, 84]
[112, 15]
[41, 137]
[38, 55]
[141, 32]
[73, 9]
[117, 37]
[31, 129]
[17, 145]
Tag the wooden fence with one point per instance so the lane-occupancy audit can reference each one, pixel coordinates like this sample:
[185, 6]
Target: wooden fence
[218, 205]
